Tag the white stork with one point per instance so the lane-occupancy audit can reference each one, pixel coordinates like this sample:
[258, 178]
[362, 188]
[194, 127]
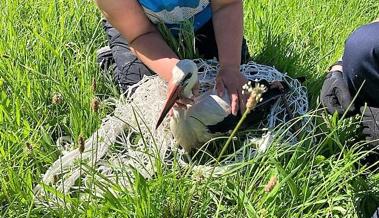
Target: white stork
[210, 115]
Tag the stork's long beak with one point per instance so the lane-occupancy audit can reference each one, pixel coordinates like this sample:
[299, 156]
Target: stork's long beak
[173, 96]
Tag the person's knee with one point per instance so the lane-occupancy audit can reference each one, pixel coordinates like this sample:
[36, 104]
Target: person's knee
[362, 43]
[361, 62]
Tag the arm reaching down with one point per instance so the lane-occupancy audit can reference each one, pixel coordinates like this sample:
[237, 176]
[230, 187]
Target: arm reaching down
[128, 17]
[228, 27]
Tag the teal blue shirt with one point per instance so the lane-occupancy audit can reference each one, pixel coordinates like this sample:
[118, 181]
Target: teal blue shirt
[173, 12]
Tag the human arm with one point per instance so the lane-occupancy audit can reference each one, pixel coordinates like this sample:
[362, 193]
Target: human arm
[228, 27]
[128, 17]
[145, 41]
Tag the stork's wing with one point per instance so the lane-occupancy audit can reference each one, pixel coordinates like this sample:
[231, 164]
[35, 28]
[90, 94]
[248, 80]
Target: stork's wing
[213, 113]
[210, 109]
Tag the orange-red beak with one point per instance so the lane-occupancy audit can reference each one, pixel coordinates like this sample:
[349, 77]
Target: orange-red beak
[173, 96]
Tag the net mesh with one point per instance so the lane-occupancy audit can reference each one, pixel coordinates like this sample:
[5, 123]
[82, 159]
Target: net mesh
[127, 139]
[177, 14]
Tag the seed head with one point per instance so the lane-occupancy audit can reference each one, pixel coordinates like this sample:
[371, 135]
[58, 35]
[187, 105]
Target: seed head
[95, 104]
[57, 99]
[55, 179]
[93, 86]
[29, 146]
[198, 175]
[255, 95]
[271, 184]
[81, 143]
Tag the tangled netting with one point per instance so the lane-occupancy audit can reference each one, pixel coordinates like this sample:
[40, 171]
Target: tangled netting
[127, 140]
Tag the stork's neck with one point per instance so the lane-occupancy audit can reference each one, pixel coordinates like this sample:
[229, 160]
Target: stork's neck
[187, 91]
[178, 113]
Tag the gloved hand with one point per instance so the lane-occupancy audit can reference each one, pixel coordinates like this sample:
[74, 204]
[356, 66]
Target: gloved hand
[370, 124]
[335, 94]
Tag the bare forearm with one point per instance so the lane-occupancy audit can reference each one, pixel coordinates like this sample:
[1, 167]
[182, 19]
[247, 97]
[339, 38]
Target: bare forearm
[228, 27]
[129, 19]
[153, 51]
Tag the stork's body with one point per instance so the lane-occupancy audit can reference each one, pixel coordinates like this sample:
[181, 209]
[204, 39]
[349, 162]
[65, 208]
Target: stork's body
[192, 127]
[209, 116]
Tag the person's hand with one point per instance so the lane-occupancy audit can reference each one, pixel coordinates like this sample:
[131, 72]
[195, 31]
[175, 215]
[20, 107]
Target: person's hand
[370, 124]
[335, 94]
[231, 79]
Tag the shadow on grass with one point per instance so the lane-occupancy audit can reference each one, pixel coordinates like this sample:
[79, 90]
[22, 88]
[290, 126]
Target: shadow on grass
[281, 52]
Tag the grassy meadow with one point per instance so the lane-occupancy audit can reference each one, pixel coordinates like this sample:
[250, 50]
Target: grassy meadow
[47, 50]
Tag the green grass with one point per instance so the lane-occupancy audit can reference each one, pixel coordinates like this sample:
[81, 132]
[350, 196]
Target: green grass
[47, 47]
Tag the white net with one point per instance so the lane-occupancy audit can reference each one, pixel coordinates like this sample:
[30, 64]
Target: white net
[127, 139]
[177, 14]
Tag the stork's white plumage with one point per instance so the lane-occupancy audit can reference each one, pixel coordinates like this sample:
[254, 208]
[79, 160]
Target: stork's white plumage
[190, 126]
[203, 120]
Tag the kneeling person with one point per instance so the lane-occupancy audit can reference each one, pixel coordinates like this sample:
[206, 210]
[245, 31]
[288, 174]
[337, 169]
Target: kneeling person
[357, 74]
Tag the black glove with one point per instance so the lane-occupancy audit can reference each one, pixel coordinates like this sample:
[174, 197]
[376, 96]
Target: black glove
[335, 94]
[370, 124]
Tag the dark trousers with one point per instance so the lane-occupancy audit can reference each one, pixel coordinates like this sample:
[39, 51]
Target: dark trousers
[130, 70]
[361, 64]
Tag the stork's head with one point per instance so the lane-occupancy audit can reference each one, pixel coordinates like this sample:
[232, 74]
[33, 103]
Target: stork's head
[184, 78]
